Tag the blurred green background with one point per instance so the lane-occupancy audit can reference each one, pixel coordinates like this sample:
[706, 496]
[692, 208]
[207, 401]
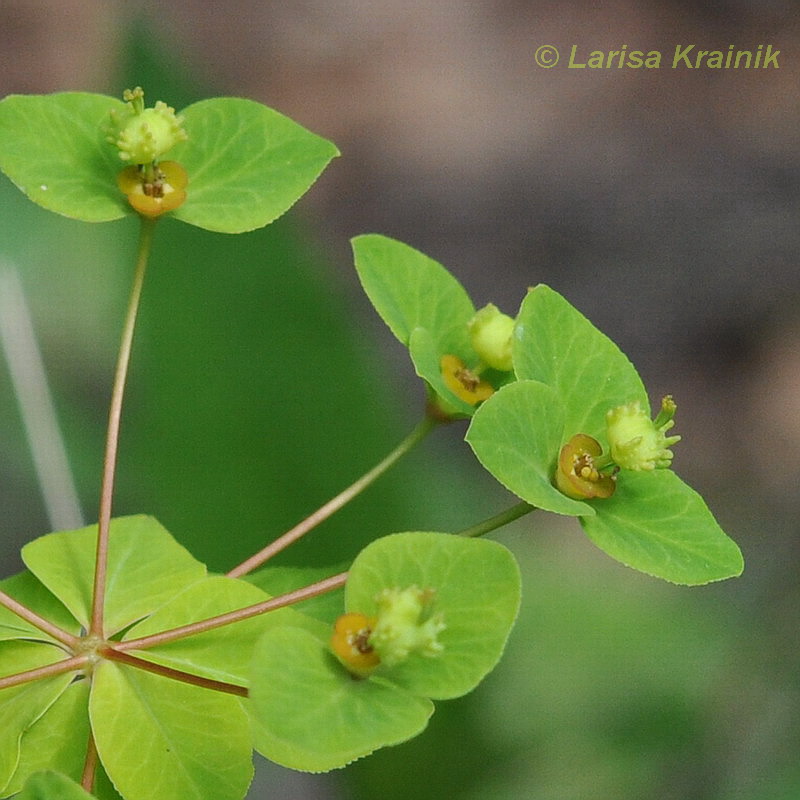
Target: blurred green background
[262, 383]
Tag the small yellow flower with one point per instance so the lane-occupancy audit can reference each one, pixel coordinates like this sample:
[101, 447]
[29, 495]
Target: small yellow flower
[577, 475]
[156, 190]
[462, 382]
[350, 643]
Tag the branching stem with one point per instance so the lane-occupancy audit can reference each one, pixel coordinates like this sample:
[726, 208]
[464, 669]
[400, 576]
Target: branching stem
[112, 438]
[192, 629]
[423, 428]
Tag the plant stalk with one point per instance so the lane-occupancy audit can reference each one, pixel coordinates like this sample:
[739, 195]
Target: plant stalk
[112, 438]
[498, 520]
[114, 654]
[41, 623]
[47, 671]
[89, 764]
[423, 428]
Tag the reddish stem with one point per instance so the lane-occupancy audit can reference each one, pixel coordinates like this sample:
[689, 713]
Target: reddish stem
[422, 429]
[114, 654]
[89, 764]
[112, 438]
[47, 671]
[39, 622]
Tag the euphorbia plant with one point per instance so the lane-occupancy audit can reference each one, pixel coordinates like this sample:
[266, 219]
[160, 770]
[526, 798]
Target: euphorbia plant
[127, 670]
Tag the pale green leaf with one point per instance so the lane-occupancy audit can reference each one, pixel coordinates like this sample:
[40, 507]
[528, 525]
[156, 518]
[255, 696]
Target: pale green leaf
[477, 588]
[657, 524]
[57, 741]
[146, 566]
[54, 148]
[555, 344]
[410, 290]
[309, 713]
[50, 785]
[22, 705]
[247, 164]
[164, 739]
[517, 435]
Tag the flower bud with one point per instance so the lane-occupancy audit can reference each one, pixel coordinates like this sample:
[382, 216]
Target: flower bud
[141, 134]
[577, 475]
[490, 332]
[636, 442]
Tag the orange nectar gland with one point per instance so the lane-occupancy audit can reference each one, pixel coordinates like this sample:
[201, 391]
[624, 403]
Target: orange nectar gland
[462, 382]
[577, 475]
[154, 190]
[350, 643]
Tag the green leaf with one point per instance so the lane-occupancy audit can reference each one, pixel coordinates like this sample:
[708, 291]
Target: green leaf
[224, 653]
[52, 786]
[56, 741]
[26, 589]
[146, 567]
[517, 434]
[53, 147]
[246, 163]
[166, 739]
[555, 344]
[310, 714]
[410, 290]
[477, 587]
[22, 705]
[657, 524]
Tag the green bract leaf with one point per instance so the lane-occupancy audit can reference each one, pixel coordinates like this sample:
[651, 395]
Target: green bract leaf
[146, 567]
[555, 344]
[57, 741]
[54, 148]
[517, 434]
[309, 713]
[247, 164]
[166, 739]
[477, 588]
[22, 705]
[410, 290]
[52, 786]
[26, 589]
[657, 524]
